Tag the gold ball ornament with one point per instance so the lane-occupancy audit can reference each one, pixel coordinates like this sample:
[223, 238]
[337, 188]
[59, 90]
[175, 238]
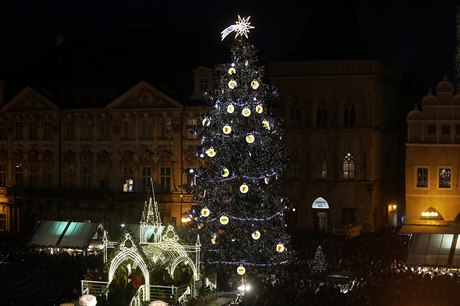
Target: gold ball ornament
[205, 212]
[210, 152]
[280, 248]
[250, 138]
[232, 84]
[241, 270]
[255, 84]
[259, 109]
[206, 122]
[266, 124]
[227, 129]
[244, 188]
[230, 108]
[225, 172]
[256, 235]
[231, 71]
[223, 220]
[246, 112]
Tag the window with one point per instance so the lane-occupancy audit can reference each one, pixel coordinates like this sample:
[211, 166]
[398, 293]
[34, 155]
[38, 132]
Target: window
[146, 175]
[321, 116]
[321, 168]
[294, 115]
[18, 130]
[349, 115]
[431, 129]
[18, 175]
[294, 166]
[128, 182]
[146, 128]
[444, 178]
[104, 128]
[47, 130]
[127, 130]
[70, 129]
[165, 179]
[104, 177]
[33, 175]
[445, 130]
[86, 129]
[457, 130]
[2, 173]
[86, 176]
[348, 215]
[422, 177]
[33, 130]
[165, 128]
[3, 135]
[204, 84]
[191, 123]
[349, 166]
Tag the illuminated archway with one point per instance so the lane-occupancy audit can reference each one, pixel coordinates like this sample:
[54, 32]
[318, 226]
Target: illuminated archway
[187, 260]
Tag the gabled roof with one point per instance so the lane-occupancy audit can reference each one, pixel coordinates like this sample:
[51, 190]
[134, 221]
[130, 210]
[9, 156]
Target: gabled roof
[29, 100]
[143, 95]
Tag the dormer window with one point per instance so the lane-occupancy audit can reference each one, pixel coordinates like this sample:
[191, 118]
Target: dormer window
[204, 85]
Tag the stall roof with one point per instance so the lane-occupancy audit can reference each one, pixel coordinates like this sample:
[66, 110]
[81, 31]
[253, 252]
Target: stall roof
[62, 234]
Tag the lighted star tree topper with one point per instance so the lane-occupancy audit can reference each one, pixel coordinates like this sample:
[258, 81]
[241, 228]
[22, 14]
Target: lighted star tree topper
[239, 213]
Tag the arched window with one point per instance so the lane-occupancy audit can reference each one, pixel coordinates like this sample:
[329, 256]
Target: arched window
[349, 115]
[321, 115]
[321, 166]
[349, 166]
[294, 115]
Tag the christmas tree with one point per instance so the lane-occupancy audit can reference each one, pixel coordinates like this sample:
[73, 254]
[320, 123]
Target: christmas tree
[239, 213]
[319, 264]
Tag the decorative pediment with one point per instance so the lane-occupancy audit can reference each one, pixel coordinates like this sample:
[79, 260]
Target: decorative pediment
[143, 95]
[29, 100]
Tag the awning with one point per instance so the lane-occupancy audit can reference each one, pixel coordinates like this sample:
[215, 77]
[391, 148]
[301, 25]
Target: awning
[430, 228]
[64, 234]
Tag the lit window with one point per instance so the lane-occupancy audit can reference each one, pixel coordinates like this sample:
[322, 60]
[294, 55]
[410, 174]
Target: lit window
[444, 178]
[422, 177]
[349, 166]
[128, 182]
[128, 185]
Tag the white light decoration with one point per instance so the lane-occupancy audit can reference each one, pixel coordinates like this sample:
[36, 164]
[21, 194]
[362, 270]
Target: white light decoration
[250, 138]
[246, 112]
[232, 84]
[206, 122]
[225, 172]
[256, 235]
[266, 180]
[259, 109]
[241, 27]
[280, 248]
[230, 108]
[244, 188]
[205, 212]
[241, 270]
[231, 71]
[266, 124]
[213, 239]
[223, 220]
[87, 300]
[254, 84]
[227, 129]
[210, 152]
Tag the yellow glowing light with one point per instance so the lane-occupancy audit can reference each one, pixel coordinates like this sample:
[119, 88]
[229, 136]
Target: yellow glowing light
[259, 109]
[223, 220]
[231, 71]
[230, 108]
[185, 219]
[280, 248]
[225, 172]
[210, 152]
[254, 84]
[213, 239]
[246, 112]
[266, 125]
[232, 84]
[244, 188]
[266, 180]
[227, 129]
[256, 235]
[241, 270]
[250, 138]
[205, 212]
[206, 122]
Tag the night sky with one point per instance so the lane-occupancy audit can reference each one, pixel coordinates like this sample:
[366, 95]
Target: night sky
[417, 37]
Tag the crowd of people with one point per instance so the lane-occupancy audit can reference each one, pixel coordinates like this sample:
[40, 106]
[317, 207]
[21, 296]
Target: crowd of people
[373, 265]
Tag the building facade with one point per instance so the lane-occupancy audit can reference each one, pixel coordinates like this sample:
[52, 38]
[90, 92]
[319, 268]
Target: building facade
[340, 120]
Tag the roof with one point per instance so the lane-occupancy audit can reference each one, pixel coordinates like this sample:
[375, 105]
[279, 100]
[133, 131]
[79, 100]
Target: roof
[430, 227]
[64, 234]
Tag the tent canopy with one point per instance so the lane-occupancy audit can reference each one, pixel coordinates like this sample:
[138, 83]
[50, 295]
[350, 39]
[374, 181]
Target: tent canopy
[64, 234]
